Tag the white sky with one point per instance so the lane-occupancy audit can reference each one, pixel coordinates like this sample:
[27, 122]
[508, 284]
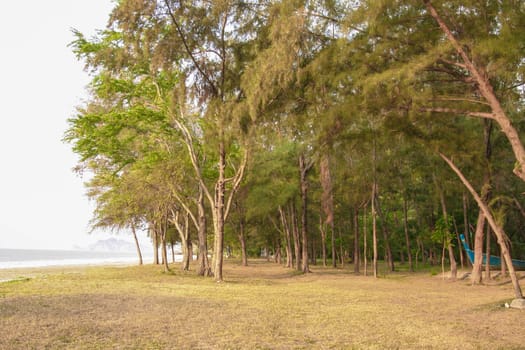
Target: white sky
[42, 202]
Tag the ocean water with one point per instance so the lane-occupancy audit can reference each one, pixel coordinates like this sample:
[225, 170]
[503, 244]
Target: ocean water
[16, 258]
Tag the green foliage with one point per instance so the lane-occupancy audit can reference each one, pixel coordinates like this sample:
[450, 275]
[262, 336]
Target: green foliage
[442, 232]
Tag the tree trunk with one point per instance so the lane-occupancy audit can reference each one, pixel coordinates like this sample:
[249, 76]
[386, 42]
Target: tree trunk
[503, 265]
[164, 249]
[487, 254]
[465, 222]
[341, 249]
[407, 238]
[453, 264]
[202, 260]
[297, 242]
[139, 253]
[155, 236]
[365, 245]
[304, 168]
[278, 254]
[386, 234]
[323, 240]
[219, 217]
[327, 200]
[286, 228]
[476, 276]
[374, 230]
[242, 240]
[313, 252]
[187, 244]
[461, 260]
[356, 241]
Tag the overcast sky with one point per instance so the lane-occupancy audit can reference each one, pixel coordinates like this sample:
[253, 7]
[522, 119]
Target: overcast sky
[42, 202]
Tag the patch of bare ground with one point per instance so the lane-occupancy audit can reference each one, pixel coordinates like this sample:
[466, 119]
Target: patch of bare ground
[261, 306]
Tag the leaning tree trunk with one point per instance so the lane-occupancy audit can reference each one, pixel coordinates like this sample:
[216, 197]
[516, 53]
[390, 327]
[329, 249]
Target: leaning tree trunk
[139, 253]
[500, 234]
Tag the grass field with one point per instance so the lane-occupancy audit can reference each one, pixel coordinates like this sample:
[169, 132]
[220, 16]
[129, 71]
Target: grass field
[262, 306]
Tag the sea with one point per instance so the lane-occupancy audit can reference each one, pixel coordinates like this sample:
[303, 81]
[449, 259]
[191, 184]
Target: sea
[24, 258]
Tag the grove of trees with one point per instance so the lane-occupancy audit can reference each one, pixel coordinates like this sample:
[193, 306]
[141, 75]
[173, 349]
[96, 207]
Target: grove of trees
[315, 132]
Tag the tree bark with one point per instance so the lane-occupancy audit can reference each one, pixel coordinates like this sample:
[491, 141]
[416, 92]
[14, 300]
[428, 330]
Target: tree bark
[323, 240]
[162, 228]
[202, 260]
[466, 228]
[407, 238]
[297, 242]
[453, 264]
[357, 258]
[374, 230]
[487, 254]
[286, 228]
[187, 244]
[328, 201]
[242, 240]
[155, 236]
[365, 245]
[476, 276]
[139, 253]
[183, 231]
[277, 249]
[304, 168]
[465, 220]
[500, 234]
[219, 216]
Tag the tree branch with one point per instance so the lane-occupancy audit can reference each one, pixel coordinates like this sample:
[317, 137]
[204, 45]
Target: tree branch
[187, 48]
[236, 183]
[483, 115]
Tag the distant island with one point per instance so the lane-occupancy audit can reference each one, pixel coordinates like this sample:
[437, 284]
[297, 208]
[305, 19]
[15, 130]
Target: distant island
[110, 245]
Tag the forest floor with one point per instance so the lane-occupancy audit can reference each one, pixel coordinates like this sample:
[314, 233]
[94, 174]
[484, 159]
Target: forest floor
[262, 306]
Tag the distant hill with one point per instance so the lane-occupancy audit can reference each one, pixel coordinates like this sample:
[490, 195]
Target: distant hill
[113, 245]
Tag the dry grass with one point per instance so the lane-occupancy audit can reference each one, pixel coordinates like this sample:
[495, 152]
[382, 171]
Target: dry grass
[262, 306]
